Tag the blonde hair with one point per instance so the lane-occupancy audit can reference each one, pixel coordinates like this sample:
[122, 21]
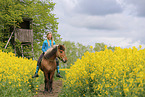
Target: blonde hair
[51, 39]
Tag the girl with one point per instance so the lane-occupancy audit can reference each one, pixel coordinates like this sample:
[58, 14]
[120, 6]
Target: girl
[48, 43]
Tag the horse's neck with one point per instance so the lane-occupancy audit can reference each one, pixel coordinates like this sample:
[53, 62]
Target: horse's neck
[51, 55]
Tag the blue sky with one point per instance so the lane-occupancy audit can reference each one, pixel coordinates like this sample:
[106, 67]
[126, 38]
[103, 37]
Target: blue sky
[114, 22]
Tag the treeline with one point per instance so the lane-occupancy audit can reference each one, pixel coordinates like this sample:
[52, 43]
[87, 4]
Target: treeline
[77, 50]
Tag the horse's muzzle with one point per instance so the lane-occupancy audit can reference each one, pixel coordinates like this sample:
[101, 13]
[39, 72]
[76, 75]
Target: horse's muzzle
[64, 60]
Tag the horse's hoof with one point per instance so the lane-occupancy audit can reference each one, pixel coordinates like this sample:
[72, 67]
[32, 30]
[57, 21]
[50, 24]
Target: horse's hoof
[50, 91]
[45, 92]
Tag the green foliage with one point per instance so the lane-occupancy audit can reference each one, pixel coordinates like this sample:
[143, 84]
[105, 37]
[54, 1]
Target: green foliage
[26, 89]
[73, 52]
[12, 13]
[9, 47]
[101, 47]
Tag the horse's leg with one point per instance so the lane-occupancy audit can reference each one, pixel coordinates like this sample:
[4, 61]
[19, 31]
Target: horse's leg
[51, 80]
[46, 81]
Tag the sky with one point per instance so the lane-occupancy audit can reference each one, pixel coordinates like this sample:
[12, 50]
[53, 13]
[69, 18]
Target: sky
[113, 22]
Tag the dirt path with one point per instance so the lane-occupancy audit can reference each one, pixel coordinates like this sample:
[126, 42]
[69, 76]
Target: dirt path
[56, 89]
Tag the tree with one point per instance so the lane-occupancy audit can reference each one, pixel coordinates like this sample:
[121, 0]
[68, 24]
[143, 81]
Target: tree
[101, 47]
[12, 13]
[74, 51]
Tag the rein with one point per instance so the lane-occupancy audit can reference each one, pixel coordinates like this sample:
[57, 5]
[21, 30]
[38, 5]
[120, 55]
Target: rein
[57, 54]
[57, 51]
[47, 56]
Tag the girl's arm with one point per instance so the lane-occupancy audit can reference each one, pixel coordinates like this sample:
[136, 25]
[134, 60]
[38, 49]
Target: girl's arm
[43, 47]
[53, 42]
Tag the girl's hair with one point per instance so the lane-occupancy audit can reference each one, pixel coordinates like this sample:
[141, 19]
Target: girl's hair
[51, 39]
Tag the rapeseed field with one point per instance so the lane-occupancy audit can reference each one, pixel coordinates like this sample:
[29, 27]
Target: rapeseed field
[15, 76]
[118, 73]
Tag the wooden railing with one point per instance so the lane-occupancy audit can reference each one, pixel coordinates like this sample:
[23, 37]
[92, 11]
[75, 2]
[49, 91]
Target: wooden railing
[24, 35]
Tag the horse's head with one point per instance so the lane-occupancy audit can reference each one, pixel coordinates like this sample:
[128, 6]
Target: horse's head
[61, 53]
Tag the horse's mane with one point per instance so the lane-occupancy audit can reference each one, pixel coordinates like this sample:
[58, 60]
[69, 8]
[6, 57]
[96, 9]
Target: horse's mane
[50, 52]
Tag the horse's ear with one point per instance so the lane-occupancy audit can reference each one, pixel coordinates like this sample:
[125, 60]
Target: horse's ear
[61, 47]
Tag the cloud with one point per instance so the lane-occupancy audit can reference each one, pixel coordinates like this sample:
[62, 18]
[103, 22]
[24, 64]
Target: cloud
[86, 21]
[134, 7]
[108, 22]
[117, 24]
[97, 7]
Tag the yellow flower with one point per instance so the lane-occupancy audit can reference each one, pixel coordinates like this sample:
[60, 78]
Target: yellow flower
[92, 76]
[88, 88]
[91, 47]
[105, 46]
[126, 89]
[111, 69]
[106, 92]
[87, 82]
[140, 46]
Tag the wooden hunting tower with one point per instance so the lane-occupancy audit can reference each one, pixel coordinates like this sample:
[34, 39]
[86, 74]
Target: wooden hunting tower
[25, 35]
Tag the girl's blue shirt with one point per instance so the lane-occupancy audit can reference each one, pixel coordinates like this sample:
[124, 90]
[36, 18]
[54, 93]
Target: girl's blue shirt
[45, 46]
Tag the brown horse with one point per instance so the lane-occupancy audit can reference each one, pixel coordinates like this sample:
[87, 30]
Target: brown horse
[48, 64]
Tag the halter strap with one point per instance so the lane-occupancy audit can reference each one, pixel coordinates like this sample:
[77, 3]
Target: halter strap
[57, 51]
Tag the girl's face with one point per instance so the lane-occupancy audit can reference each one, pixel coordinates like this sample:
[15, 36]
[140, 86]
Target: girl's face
[49, 36]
